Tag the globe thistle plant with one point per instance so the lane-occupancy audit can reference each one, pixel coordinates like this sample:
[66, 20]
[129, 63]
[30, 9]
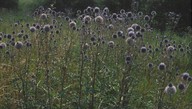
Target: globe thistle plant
[43, 16]
[162, 66]
[72, 24]
[32, 29]
[170, 89]
[46, 28]
[99, 19]
[18, 44]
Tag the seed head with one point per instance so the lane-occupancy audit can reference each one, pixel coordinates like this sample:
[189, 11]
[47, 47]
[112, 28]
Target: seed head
[170, 49]
[170, 89]
[18, 44]
[134, 26]
[162, 66]
[114, 36]
[129, 41]
[2, 45]
[96, 10]
[143, 49]
[72, 24]
[140, 14]
[153, 13]
[181, 86]
[114, 16]
[129, 14]
[185, 76]
[32, 29]
[150, 65]
[110, 26]
[131, 34]
[87, 18]
[130, 29]
[46, 28]
[106, 10]
[147, 18]
[111, 44]
[189, 79]
[85, 46]
[99, 19]
[120, 33]
[43, 16]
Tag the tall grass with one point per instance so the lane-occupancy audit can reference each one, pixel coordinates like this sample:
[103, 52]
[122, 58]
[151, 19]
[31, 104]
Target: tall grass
[76, 63]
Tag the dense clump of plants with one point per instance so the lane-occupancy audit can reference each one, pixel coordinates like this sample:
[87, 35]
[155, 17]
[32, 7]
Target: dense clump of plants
[97, 59]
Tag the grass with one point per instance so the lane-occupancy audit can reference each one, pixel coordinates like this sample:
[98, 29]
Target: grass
[86, 66]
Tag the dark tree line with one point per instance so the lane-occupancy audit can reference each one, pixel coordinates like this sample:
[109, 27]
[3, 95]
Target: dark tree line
[10, 4]
[181, 7]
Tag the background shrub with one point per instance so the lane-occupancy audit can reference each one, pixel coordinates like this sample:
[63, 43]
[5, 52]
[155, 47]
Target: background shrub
[10, 4]
[180, 7]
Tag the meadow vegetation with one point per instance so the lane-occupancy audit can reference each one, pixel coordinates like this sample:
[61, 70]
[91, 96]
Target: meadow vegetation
[93, 59]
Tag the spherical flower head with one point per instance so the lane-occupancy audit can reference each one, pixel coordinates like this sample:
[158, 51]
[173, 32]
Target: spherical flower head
[20, 35]
[28, 44]
[96, 10]
[140, 14]
[88, 9]
[18, 44]
[114, 36]
[120, 33]
[9, 36]
[106, 10]
[114, 15]
[189, 79]
[43, 16]
[122, 11]
[138, 28]
[181, 86]
[3, 45]
[170, 89]
[139, 34]
[111, 44]
[162, 66]
[150, 65]
[134, 26]
[32, 29]
[99, 19]
[129, 14]
[72, 24]
[78, 11]
[130, 29]
[185, 75]
[15, 24]
[170, 49]
[143, 49]
[129, 41]
[110, 26]
[147, 18]
[128, 58]
[85, 46]
[46, 28]
[153, 13]
[131, 34]
[87, 18]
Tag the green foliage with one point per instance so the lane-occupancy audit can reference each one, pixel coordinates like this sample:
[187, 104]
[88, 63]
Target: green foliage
[163, 7]
[10, 4]
[85, 66]
[28, 6]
